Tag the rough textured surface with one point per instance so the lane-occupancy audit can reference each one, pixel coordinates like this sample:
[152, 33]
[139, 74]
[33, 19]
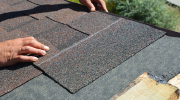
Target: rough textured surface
[3, 6]
[46, 9]
[162, 54]
[2, 31]
[12, 2]
[52, 52]
[71, 12]
[38, 26]
[93, 22]
[13, 76]
[96, 55]
[12, 35]
[20, 7]
[14, 23]
[62, 36]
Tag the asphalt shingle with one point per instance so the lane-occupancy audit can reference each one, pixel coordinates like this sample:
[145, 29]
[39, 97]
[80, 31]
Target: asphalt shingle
[94, 56]
[38, 26]
[70, 13]
[93, 22]
[12, 2]
[13, 76]
[41, 11]
[62, 36]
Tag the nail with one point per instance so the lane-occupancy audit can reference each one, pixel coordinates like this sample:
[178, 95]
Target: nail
[92, 9]
[43, 52]
[35, 58]
[46, 48]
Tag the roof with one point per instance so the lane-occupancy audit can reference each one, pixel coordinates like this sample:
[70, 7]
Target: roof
[93, 55]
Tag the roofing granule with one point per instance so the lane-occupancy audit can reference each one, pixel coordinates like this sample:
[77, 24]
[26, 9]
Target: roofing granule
[52, 52]
[11, 2]
[62, 36]
[41, 11]
[82, 63]
[70, 13]
[16, 22]
[93, 22]
[3, 6]
[14, 76]
[12, 35]
[38, 26]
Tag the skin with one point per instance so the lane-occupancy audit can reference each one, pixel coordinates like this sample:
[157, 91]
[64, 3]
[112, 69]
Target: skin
[12, 51]
[94, 5]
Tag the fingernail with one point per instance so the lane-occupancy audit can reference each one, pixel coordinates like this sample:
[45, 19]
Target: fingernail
[43, 52]
[92, 9]
[46, 48]
[35, 58]
[106, 10]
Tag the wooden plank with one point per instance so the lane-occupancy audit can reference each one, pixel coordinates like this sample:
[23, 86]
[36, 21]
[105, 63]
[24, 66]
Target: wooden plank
[176, 82]
[147, 88]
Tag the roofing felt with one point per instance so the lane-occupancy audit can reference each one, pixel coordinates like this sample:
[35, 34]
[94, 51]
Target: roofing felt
[83, 47]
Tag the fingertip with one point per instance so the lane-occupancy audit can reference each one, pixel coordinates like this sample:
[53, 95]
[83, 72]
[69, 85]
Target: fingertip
[46, 48]
[92, 9]
[35, 59]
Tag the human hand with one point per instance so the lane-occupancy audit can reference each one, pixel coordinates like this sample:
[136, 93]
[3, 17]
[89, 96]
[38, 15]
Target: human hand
[12, 51]
[94, 4]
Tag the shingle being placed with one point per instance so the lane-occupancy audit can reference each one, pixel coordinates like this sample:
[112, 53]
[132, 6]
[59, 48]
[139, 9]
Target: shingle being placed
[94, 56]
[52, 52]
[38, 26]
[93, 22]
[62, 36]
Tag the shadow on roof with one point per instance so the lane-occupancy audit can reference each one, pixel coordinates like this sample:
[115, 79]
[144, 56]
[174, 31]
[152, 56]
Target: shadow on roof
[43, 9]
[17, 66]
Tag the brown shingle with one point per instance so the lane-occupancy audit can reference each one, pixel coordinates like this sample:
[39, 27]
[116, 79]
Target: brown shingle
[38, 26]
[93, 22]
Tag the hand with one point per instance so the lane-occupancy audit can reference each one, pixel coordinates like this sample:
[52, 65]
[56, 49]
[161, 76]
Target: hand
[12, 51]
[94, 4]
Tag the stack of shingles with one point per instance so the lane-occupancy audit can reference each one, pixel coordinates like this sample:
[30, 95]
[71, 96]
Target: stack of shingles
[83, 45]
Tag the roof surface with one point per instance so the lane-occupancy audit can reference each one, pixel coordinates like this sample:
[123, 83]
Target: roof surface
[93, 55]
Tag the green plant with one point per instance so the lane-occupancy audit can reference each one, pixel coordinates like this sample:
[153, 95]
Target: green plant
[153, 12]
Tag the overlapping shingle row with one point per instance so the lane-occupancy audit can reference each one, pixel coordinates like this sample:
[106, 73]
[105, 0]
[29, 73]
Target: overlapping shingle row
[83, 45]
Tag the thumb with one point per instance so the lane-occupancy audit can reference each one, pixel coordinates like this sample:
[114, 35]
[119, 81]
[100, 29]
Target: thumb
[89, 4]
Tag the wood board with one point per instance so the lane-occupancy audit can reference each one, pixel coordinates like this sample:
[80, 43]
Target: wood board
[147, 88]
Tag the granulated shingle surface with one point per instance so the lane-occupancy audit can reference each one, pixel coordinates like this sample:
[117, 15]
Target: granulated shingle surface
[13, 76]
[41, 11]
[40, 2]
[93, 22]
[2, 31]
[38, 26]
[3, 6]
[94, 56]
[20, 7]
[14, 23]
[72, 12]
[11, 2]
[12, 35]
[52, 52]
[62, 36]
